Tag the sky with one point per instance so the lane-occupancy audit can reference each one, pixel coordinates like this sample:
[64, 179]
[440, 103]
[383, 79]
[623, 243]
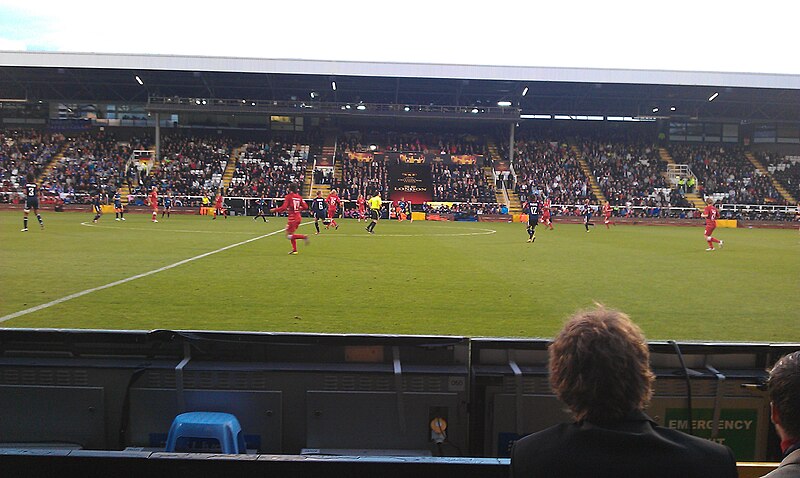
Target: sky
[698, 35]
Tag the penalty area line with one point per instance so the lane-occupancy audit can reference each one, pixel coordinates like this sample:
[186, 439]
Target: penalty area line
[132, 278]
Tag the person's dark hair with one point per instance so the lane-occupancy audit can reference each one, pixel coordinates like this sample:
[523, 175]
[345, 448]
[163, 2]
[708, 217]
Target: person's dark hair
[783, 385]
[600, 366]
[292, 188]
[29, 178]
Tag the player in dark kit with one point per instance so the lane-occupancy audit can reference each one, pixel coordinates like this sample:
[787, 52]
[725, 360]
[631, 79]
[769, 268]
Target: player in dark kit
[31, 202]
[293, 204]
[96, 207]
[167, 205]
[587, 214]
[262, 205]
[119, 212]
[319, 208]
[532, 209]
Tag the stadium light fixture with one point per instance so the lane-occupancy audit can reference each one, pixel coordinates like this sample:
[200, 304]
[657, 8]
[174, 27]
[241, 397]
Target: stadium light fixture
[361, 107]
[139, 80]
[474, 111]
[655, 110]
[407, 108]
[672, 108]
[503, 103]
[314, 94]
[714, 96]
[333, 85]
[525, 91]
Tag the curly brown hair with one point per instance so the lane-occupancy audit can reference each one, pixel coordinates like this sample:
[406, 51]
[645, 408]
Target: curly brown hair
[600, 366]
[783, 385]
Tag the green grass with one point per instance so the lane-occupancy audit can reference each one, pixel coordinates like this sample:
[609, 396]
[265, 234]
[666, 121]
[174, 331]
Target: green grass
[420, 278]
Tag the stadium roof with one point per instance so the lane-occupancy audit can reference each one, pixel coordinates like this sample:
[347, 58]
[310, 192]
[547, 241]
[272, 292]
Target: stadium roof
[98, 78]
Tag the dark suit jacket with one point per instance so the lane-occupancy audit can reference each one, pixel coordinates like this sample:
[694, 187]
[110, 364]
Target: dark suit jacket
[633, 447]
[789, 467]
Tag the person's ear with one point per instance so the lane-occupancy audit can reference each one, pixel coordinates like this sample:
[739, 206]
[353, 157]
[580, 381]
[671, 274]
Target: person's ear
[774, 414]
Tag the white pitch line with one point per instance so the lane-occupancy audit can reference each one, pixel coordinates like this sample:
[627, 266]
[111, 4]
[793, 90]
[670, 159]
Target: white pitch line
[132, 278]
[158, 229]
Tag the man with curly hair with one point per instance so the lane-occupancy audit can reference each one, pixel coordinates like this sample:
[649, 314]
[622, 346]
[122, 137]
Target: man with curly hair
[600, 368]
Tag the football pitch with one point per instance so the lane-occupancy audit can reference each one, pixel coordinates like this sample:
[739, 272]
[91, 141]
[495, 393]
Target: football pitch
[421, 278]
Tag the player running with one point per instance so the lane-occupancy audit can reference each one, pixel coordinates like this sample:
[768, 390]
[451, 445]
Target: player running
[167, 204]
[361, 203]
[587, 214]
[119, 212]
[319, 208]
[31, 202]
[96, 207]
[546, 213]
[333, 206]
[374, 211]
[607, 214]
[262, 204]
[152, 200]
[711, 213]
[532, 208]
[293, 204]
[219, 207]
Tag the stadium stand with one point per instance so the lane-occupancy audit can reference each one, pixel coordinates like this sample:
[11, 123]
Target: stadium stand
[786, 169]
[725, 172]
[22, 151]
[268, 169]
[91, 162]
[191, 165]
[548, 168]
[462, 183]
[361, 177]
[631, 174]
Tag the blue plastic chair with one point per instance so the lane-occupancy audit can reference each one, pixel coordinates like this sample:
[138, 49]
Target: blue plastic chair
[222, 427]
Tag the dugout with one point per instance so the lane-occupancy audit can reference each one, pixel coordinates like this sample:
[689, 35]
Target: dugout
[709, 390]
[327, 395]
[292, 393]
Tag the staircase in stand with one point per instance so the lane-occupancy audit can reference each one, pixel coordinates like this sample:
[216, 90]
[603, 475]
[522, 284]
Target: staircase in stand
[230, 168]
[52, 164]
[514, 203]
[693, 198]
[587, 171]
[787, 196]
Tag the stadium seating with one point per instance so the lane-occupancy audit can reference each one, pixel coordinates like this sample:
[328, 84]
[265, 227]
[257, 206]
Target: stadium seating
[548, 168]
[462, 183]
[359, 177]
[725, 170]
[268, 169]
[786, 169]
[191, 165]
[22, 151]
[91, 162]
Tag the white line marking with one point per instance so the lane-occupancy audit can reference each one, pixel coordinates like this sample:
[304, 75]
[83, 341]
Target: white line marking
[132, 278]
[158, 229]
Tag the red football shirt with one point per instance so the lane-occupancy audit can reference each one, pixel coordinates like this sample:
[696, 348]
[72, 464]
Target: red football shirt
[333, 201]
[606, 209]
[711, 214]
[293, 203]
[361, 203]
[218, 202]
[153, 199]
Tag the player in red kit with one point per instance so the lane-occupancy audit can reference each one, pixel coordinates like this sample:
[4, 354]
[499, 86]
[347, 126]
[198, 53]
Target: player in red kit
[219, 208]
[607, 214]
[293, 204]
[333, 206]
[546, 213]
[152, 200]
[711, 214]
[362, 207]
